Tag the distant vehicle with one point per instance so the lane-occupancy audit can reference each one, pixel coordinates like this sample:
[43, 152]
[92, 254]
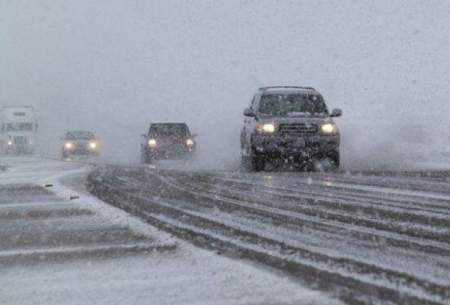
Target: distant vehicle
[167, 141]
[79, 142]
[18, 130]
[290, 124]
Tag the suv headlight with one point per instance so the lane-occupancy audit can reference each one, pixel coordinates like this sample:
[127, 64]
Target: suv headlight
[93, 145]
[329, 128]
[189, 142]
[265, 128]
[68, 145]
[152, 143]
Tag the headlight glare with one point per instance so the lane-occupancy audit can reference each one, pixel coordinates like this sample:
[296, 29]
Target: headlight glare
[265, 128]
[152, 143]
[328, 128]
[189, 142]
[93, 145]
[68, 145]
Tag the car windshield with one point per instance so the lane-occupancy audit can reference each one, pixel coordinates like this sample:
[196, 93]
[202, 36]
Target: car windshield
[166, 130]
[17, 127]
[292, 105]
[80, 135]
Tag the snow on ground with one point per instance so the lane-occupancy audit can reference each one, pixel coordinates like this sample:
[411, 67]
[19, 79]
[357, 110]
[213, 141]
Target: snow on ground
[51, 225]
[189, 276]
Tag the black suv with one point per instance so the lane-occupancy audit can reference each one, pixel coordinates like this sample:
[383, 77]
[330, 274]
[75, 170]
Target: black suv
[167, 141]
[290, 124]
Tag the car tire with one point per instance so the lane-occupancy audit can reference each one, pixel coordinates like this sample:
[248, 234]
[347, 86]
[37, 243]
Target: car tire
[258, 163]
[146, 159]
[328, 163]
[335, 160]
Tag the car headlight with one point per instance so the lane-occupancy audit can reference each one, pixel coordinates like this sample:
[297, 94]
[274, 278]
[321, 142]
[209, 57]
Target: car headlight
[265, 128]
[189, 142]
[328, 128]
[152, 143]
[93, 145]
[68, 145]
[10, 143]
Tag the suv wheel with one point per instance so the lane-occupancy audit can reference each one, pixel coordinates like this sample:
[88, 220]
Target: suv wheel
[335, 159]
[258, 163]
[329, 162]
[146, 159]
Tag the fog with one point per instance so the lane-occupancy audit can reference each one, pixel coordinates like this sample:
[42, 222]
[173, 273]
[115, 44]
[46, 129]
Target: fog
[115, 66]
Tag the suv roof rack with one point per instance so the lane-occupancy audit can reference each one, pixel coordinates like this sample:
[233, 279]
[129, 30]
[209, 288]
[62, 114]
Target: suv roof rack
[285, 87]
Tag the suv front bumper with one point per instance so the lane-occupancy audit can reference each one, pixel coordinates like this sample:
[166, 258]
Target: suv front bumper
[169, 152]
[295, 146]
[80, 150]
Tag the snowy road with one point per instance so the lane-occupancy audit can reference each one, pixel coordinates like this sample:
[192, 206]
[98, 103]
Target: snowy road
[365, 238]
[59, 245]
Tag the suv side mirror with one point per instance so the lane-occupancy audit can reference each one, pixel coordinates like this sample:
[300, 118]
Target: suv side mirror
[194, 135]
[336, 113]
[249, 112]
[143, 135]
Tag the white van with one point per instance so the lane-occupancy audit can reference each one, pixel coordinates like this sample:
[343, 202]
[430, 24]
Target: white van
[18, 130]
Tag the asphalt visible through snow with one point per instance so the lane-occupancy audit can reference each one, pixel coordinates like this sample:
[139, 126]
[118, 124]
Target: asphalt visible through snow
[60, 245]
[367, 238]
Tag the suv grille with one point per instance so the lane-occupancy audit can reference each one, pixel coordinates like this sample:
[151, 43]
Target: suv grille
[298, 129]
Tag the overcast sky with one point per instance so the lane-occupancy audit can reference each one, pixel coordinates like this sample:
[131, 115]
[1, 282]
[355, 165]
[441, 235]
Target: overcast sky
[114, 66]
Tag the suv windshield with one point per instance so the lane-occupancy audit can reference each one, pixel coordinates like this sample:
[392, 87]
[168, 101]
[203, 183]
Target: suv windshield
[168, 130]
[292, 104]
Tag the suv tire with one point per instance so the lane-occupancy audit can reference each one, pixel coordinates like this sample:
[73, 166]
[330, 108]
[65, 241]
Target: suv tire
[146, 159]
[258, 163]
[336, 160]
